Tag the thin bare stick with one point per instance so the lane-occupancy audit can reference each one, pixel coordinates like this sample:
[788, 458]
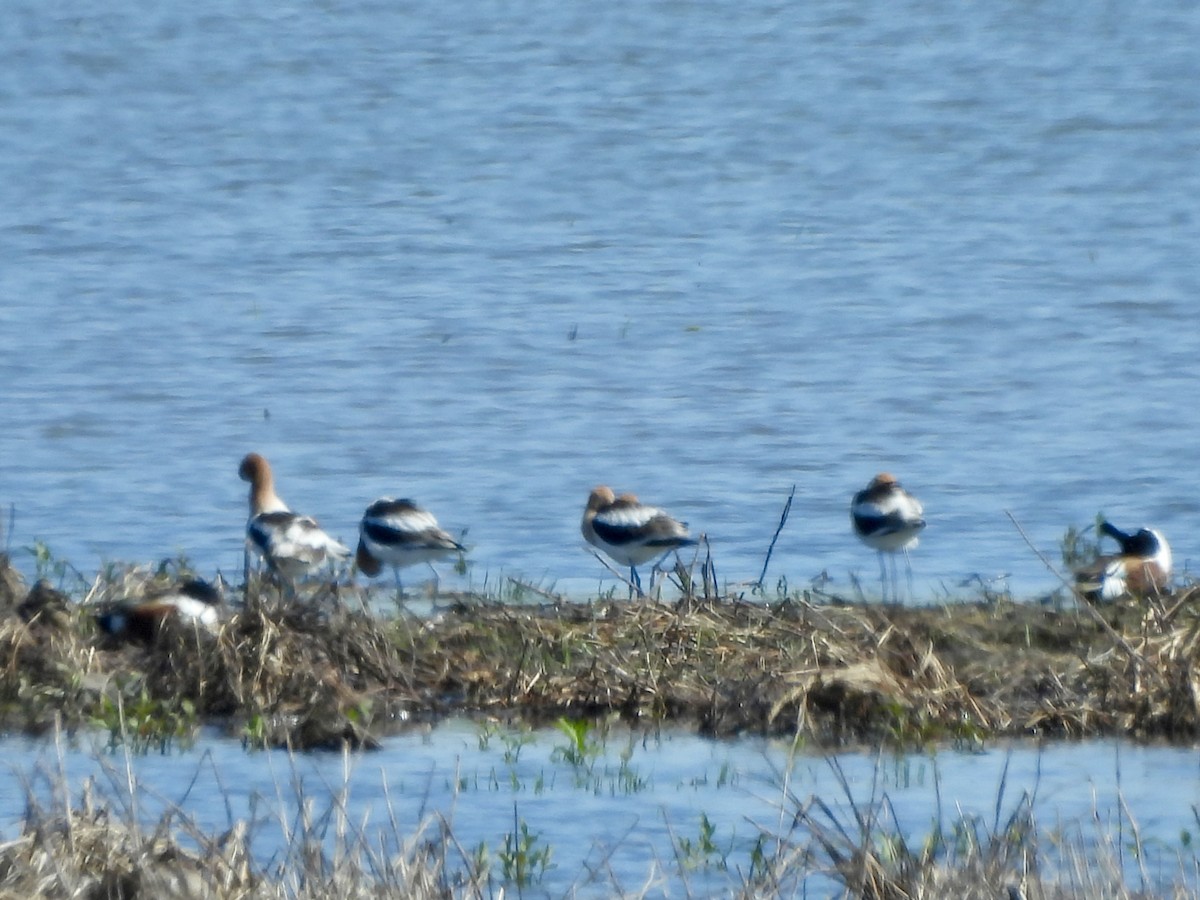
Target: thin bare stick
[709, 571]
[787, 508]
[604, 562]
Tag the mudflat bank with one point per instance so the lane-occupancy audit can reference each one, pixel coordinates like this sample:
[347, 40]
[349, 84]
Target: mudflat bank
[319, 670]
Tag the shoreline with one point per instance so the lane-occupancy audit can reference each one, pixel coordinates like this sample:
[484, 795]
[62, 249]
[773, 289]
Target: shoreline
[321, 671]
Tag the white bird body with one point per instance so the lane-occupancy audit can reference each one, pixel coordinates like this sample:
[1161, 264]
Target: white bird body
[630, 532]
[292, 544]
[399, 533]
[188, 603]
[888, 519]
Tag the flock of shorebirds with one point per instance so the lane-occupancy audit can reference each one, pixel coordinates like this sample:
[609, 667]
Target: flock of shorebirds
[399, 533]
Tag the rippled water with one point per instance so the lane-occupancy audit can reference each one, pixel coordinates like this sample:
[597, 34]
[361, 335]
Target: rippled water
[632, 811]
[490, 256]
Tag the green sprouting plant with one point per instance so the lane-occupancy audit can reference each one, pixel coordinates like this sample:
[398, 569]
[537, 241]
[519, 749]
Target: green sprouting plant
[485, 733]
[493, 781]
[479, 862]
[143, 723]
[904, 728]
[360, 713]
[628, 779]
[46, 564]
[760, 863]
[905, 772]
[524, 859]
[514, 780]
[254, 733]
[178, 566]
[581, 749]
[461, 566]
[513, 742]
[43, 558]
[513, 739]
[969, 735]
[704, 851]
[1081, 546]
[36, 702]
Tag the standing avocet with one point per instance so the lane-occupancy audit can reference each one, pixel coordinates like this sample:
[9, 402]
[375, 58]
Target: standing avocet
[888, 519]
[630, 532]
[292, 545]
[399, 533]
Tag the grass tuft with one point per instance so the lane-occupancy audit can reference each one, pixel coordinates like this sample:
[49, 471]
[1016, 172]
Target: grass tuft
[320, 671]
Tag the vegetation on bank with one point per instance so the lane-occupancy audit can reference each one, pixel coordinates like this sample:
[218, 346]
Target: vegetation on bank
[319, 670]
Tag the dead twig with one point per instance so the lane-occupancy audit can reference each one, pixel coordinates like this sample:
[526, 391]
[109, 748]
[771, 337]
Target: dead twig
[787, 509]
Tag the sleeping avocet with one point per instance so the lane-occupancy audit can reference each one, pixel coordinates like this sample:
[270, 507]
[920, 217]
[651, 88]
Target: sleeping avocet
[887, 519]
[399, 533]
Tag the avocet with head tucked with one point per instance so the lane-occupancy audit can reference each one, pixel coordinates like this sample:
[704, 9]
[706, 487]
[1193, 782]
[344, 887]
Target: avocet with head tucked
[630, 532]
[887, 518]
[399, 533]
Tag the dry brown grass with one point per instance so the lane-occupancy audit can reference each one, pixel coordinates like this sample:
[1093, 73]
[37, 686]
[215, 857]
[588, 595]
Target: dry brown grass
[834, 673]
[318, 671]
[95, 847]
[860, 845]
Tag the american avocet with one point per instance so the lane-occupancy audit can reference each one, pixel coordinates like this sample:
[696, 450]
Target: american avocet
[195, 600]
[293, 545]
[399, 533]
[887, 519]
[630, 532]
[1143, 566]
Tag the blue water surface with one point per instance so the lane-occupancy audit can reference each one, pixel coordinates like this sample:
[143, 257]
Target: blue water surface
[634, 810]
[489, 256]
